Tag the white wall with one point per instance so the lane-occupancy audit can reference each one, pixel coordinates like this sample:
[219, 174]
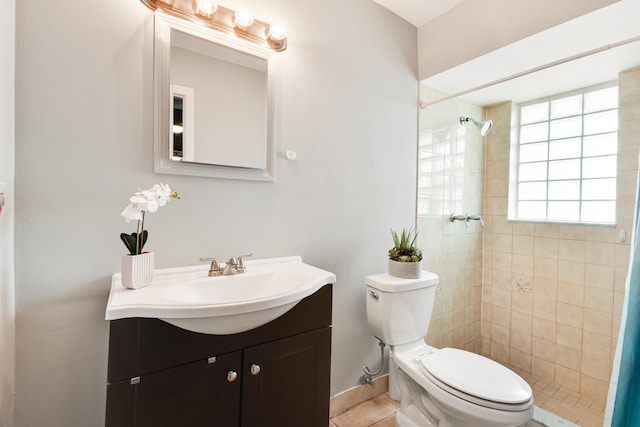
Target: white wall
[474, 28]
[346, 103]
[7, 147]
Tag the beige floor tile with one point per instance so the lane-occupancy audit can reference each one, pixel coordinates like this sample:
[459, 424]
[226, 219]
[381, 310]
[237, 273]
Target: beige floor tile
[555, 398]
[387, 422]
[367, 413]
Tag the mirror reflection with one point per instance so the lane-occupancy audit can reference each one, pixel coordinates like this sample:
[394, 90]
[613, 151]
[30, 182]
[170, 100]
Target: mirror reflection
[219, 104]
[213, 105]
[177, 151]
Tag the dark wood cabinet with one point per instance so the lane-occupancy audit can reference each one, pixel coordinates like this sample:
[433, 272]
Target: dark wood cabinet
[291, 387]
[195, 394]
[277, 374]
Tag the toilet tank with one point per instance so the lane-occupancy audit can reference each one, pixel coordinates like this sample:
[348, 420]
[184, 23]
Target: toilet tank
[399, 310]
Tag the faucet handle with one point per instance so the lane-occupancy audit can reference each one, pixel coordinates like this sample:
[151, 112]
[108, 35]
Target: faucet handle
[241, 268]
[475, 218]
[214, 268]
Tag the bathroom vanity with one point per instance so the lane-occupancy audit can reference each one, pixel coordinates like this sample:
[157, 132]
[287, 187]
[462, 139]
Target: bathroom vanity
[278, 373]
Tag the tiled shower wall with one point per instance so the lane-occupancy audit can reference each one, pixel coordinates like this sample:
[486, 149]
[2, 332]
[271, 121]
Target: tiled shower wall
[450, 180]
[552, 295]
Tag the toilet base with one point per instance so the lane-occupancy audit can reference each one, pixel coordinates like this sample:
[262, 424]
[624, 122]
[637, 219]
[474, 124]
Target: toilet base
[418, 410]
[394, 390]
[423, 404]
[413, 412]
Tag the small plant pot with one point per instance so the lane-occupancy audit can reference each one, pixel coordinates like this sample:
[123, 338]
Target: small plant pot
[405, 270]
[137, 270]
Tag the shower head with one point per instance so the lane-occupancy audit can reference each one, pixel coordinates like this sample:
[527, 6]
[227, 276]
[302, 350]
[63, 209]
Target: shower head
[485, 126]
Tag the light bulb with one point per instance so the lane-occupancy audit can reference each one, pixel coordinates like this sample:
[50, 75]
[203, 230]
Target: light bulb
[243, 19]
[277, 32]
[206, 7]
[177, 129]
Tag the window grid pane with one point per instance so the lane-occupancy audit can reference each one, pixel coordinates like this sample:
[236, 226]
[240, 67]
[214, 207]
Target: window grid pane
[604, 121]
[599, 167]
[564, 107]
[599, 145]
[568, 158]
[534, 113]
[534, 132]
[565, 149]
[602, 99]
[599, 189]
[533, 190]
[534, 152]
[565, 128]
[564, 190]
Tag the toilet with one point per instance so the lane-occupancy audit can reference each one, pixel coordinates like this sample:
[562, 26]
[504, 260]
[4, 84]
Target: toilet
[439, 387]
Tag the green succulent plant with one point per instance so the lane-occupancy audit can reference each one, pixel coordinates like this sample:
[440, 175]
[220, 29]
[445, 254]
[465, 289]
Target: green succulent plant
[404, 249]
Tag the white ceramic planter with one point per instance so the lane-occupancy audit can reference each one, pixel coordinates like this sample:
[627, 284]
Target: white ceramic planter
[405, 270]
[137, 270]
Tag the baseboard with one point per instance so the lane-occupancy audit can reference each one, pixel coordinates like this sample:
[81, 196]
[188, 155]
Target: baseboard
[356, 395]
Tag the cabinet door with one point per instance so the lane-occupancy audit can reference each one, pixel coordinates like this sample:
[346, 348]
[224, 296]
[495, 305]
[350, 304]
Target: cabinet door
[197, 394]
[286, 382]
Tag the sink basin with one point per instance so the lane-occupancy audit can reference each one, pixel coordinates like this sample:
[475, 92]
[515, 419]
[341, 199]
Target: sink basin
[188, 298]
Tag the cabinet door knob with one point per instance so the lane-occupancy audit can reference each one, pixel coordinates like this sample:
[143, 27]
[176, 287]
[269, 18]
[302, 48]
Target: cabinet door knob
[232, 376]
[255, 369]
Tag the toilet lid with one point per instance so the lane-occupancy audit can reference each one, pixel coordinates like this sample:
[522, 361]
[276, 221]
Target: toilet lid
[477, 376]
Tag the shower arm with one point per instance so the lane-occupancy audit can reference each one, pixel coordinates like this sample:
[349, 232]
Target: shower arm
[465, 120]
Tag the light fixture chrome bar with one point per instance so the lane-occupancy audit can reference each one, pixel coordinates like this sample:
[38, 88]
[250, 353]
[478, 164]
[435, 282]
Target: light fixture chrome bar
[225, 20]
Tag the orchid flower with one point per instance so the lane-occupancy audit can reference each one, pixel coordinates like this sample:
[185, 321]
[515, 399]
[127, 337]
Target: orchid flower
[141, 202]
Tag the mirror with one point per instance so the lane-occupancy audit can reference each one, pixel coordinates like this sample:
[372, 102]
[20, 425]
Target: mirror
[213, 104]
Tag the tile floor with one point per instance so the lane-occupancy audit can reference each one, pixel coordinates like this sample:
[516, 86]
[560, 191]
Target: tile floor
[379, 412]
[564, 402]
[555, 398]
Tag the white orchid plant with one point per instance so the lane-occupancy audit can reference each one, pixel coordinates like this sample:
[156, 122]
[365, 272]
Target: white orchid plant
[141, 202]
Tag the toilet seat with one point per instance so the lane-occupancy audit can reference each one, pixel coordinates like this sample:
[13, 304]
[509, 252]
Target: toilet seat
[476, 379]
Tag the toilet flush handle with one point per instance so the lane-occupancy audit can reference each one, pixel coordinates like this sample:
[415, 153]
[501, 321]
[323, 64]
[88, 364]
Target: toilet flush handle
[373, 294]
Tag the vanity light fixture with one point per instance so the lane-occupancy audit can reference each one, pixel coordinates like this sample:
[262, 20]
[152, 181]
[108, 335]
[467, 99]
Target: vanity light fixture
[243, 19]
[206, 7]
[277, 32]
[236, 27]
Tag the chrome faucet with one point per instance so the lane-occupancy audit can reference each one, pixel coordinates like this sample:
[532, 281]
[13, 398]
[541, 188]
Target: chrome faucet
[466, 218]
[475, 218]
[214, 269]
[233, 266]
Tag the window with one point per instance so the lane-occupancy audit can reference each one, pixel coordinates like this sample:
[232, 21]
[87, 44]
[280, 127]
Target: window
[567, 158]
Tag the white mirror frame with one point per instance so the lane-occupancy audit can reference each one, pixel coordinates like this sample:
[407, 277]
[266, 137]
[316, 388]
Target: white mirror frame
[162, 103]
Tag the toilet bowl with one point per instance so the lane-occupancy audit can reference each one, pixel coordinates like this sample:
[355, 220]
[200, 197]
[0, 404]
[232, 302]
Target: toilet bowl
[439, 387]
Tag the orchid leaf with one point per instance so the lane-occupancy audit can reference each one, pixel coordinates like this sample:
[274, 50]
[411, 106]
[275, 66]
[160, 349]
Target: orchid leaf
[131, 241]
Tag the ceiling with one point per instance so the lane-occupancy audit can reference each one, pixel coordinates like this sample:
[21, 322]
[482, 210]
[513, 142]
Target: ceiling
[418, 12]
[582, 52]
